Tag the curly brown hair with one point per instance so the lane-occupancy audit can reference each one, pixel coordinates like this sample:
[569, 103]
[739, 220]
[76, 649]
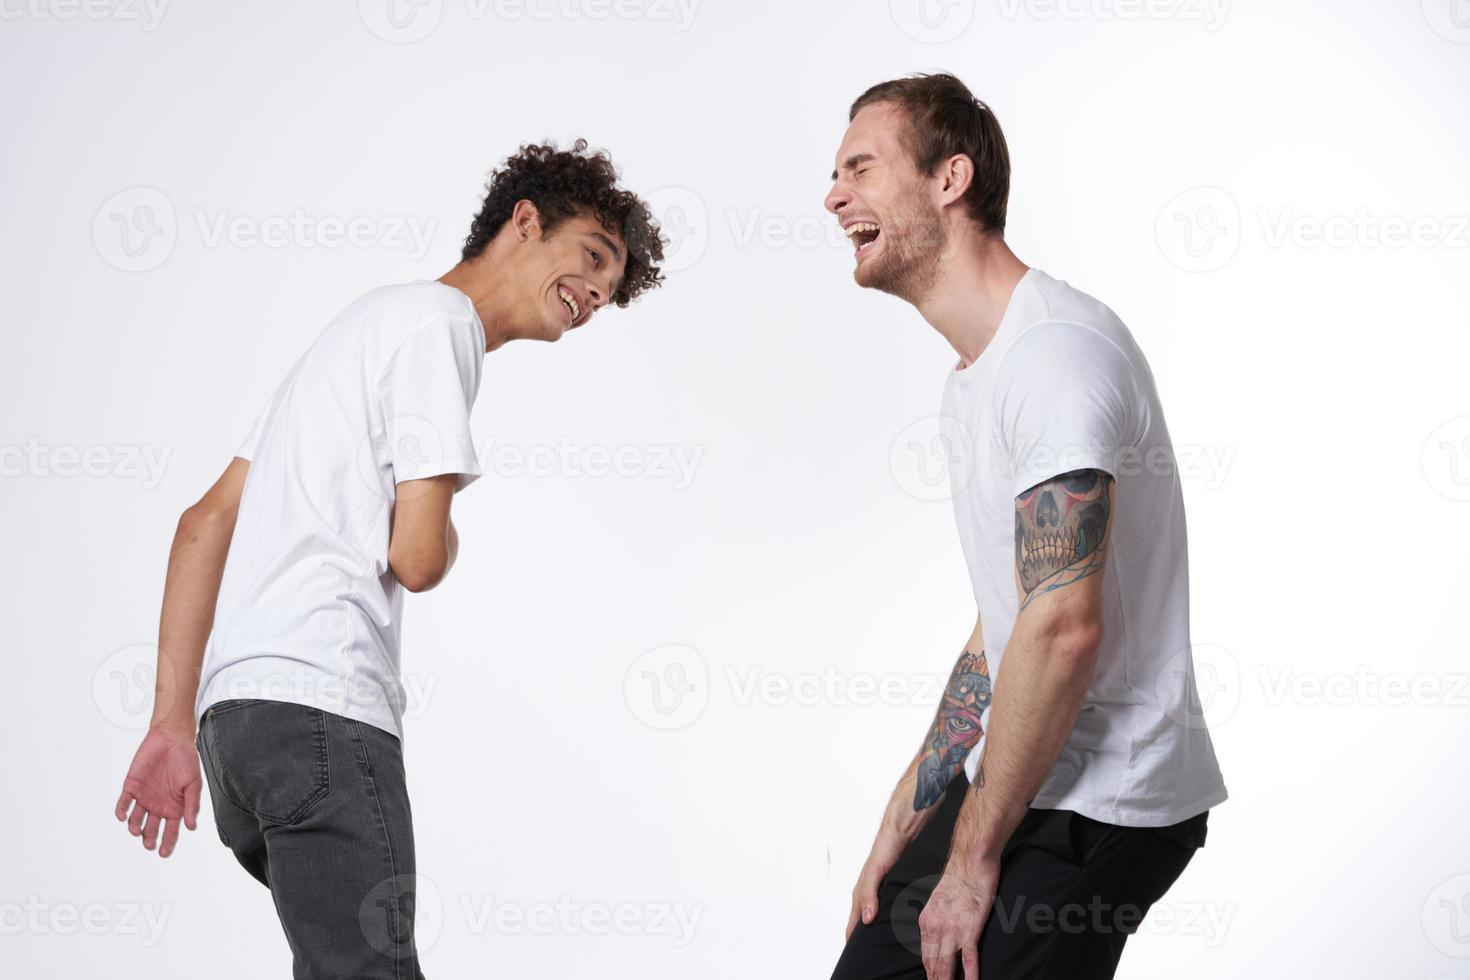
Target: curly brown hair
[563, 184]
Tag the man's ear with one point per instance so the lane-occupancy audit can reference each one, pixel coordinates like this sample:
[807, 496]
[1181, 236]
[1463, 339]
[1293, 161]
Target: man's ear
[526, 220]
[956, 174]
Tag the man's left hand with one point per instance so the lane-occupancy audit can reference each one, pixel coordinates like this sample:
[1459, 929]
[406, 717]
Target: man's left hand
[953, 919]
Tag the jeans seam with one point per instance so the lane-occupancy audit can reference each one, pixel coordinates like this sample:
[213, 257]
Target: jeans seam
[388, 842]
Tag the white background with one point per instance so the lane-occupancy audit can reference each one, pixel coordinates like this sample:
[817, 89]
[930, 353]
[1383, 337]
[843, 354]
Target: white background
[1174, 160]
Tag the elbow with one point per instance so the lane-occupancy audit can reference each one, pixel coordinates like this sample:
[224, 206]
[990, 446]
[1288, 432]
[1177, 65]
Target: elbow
[419, 573]
[1078, 641]
[204, 520]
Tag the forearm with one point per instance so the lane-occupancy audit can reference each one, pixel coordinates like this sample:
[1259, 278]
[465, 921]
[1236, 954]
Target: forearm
[1045, 676]
[952, 736]
[196, 563]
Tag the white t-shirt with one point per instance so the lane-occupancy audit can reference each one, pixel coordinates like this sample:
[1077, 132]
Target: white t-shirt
[1061, 387]
[308, 609]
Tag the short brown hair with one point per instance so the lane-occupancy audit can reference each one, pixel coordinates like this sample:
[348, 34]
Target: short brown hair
[945, 119]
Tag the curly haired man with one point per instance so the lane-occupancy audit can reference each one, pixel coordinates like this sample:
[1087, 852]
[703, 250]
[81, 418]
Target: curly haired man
[291, 569]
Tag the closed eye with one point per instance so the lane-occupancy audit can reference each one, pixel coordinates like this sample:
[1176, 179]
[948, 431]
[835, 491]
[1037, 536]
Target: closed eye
[596, 258]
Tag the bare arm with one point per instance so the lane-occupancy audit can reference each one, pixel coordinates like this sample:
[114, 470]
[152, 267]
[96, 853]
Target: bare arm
[196, 563]
[1061, 539]
[423, 544]
[953, 734]
[162, 785]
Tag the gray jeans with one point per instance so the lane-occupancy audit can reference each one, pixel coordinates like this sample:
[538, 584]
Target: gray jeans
[315, 806]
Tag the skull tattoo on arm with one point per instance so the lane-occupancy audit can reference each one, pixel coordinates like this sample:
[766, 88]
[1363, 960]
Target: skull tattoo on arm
[1061, 531]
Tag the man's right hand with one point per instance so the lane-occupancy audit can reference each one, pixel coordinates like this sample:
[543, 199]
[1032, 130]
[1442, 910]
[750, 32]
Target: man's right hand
[885, 854]
[162, 786]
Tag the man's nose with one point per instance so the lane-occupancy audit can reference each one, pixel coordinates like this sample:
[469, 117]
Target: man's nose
[837, 199]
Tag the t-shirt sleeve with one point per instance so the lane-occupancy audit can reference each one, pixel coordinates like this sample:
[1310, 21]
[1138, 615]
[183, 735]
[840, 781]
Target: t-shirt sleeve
[427, 390]
[252, 440]
[1066, 399]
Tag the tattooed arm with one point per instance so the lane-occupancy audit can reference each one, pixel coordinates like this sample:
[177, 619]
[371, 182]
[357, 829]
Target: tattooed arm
[1061, 540]
[954, 733]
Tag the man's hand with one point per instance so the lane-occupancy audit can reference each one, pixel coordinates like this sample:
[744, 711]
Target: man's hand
[162, 787]
[953, 919]
[885, 853]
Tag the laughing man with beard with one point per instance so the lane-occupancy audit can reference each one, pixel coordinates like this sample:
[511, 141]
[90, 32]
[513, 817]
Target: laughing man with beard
[1067, 777]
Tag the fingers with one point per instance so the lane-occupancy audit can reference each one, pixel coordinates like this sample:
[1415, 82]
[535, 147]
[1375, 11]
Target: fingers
[171, 838]
[150, 831]
[135, 820]
[970, 960]
[121, 810]
[948, 947]
[191, 806]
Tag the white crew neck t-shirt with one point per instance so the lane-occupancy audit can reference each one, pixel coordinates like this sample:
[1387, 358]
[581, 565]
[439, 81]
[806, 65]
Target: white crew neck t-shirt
[308, 609]
[1062, 386]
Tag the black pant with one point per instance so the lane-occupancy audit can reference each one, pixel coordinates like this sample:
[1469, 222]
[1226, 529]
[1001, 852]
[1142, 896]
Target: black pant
[1072, 890]
[315, 806]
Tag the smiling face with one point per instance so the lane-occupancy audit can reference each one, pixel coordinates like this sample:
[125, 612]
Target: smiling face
[886, 206]
[567, 274]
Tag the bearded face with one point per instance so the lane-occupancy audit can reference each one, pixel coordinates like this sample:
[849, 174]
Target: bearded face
[904, 256]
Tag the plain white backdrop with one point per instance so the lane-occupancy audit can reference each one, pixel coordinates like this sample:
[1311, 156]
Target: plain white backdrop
[710, 583]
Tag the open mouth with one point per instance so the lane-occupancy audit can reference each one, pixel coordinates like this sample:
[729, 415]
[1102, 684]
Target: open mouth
[569, 300]
[863, 234]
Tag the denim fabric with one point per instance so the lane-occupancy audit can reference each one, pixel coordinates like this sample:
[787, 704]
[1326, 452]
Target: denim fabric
[315, 807]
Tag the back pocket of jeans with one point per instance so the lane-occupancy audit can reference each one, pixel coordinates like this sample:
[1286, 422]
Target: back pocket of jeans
[271, 758]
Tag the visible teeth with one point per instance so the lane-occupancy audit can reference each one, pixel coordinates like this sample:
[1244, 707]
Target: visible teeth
[860, 226]
[566, 297]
